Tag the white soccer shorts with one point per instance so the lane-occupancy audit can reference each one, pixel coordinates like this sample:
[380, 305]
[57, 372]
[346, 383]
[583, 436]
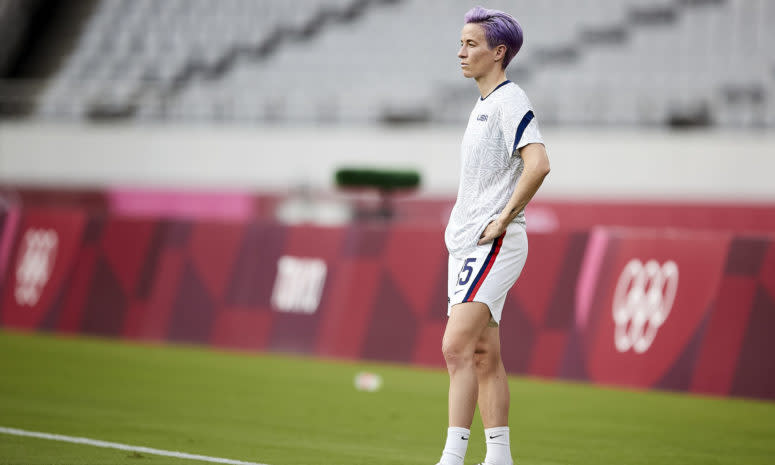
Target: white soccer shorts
[487, 273]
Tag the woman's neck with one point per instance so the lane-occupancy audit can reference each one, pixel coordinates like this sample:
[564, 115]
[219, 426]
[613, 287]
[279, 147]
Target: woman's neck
[489, 82]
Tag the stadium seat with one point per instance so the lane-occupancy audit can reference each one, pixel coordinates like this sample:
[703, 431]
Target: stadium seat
[631, 62]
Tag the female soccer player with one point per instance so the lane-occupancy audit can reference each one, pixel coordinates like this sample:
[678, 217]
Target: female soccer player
[504, 163]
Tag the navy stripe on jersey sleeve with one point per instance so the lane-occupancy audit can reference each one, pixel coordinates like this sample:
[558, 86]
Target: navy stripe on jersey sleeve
[521, 128]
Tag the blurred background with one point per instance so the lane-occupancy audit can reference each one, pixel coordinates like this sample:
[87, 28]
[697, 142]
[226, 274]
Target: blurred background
[217, 127]
[646, 99]
[628, 63]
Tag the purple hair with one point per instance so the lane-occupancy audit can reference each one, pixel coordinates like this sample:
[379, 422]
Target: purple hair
[499, 28]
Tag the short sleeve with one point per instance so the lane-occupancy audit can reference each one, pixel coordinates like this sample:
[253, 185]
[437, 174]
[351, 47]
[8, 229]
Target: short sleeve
[519, 124]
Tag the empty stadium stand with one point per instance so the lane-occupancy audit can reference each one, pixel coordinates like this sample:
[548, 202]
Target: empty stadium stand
[594, 62]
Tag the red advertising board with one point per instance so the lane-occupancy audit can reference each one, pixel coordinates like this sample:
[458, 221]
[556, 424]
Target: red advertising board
[685, 310]
[47, 244]
[652, 297]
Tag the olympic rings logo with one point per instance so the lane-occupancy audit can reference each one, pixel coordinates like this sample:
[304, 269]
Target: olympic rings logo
[642, 301]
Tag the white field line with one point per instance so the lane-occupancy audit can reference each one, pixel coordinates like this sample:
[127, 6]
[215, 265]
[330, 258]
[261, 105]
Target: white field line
[116, 445]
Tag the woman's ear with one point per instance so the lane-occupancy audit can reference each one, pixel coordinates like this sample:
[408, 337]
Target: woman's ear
[500, 52]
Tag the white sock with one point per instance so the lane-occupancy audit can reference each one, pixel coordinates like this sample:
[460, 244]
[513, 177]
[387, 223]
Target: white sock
[498, 449]
[456, 446]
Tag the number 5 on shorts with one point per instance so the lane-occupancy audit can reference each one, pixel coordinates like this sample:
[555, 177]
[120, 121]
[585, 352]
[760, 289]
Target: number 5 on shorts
[468, 270]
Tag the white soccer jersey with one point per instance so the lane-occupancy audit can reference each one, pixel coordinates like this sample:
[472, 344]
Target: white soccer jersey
[500, 124]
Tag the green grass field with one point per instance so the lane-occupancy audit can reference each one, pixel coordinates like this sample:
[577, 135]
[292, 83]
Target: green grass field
[283, 410]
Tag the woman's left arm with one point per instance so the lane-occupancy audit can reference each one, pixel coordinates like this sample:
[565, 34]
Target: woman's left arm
[536, 167]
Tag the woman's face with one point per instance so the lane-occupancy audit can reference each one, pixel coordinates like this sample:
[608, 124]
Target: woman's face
[476, 56]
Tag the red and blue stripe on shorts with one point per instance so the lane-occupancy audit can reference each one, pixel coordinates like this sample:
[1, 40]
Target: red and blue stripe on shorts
[485, 269]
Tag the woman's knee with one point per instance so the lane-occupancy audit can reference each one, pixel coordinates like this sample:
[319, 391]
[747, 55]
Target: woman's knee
[464, 329]
[456, 352]
[486, 360]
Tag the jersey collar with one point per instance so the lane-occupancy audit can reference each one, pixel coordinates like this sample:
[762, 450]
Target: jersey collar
[498, 87]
